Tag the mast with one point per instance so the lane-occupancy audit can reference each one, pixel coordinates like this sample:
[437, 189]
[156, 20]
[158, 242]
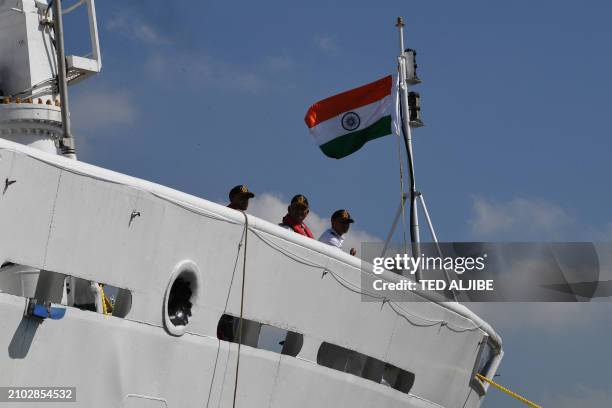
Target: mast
[67, 142]
[405, 117]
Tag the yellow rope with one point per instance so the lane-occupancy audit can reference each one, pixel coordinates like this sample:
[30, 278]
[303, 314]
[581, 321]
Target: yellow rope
[507, 391]
[107, 307]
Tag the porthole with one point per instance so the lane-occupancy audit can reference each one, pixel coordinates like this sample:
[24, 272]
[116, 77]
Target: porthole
[260, 335]
[361, 365]
[181, 294]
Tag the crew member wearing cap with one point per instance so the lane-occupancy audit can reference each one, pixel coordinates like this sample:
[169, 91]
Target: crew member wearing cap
[239, 198]
[340, 223]
[296, 214]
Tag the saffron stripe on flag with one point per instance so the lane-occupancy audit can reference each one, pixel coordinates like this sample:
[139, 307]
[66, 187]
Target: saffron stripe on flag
[346, 101]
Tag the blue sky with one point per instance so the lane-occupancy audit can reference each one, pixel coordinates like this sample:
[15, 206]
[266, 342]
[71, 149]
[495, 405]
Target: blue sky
[201, 96]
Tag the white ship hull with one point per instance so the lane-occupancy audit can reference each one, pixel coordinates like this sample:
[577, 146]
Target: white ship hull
[74, 219]
[307, 337]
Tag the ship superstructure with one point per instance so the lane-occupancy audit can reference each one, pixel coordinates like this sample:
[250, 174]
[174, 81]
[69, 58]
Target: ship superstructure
[212, 307]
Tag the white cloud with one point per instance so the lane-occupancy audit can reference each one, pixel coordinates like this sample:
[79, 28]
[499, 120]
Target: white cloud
[272, 208]
[548, 317]
[519, 218]
[278, 63]
[327, 44]
[137, 30]
[524, 219]
[201, 71]
[585, 397]
[93, 110]
[602, 234]
[246, 81]
[193, 69]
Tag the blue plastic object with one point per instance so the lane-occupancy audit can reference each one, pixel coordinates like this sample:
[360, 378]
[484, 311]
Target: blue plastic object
[54, 313]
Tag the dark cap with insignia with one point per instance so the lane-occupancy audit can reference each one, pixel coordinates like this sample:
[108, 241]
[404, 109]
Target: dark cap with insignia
[240, 190]
[300, 200]
[342, 215]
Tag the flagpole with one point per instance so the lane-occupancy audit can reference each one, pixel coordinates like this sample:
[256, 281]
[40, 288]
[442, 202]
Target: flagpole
[403, 93]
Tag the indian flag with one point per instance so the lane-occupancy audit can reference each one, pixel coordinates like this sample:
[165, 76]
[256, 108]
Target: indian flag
[343, 123]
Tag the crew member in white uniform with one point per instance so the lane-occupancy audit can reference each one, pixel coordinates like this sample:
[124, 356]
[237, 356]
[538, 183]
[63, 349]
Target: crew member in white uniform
[340, 223]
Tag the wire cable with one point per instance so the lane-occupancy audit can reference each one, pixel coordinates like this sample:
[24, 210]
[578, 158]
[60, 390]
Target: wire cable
[244, 262]
[347, 285]
[397, 131]
[357, 289]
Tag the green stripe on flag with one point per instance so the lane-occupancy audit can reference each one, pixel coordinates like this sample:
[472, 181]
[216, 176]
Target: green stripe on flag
[351, 142]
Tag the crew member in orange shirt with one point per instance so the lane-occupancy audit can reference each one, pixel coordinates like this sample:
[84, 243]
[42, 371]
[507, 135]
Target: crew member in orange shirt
[296, 214]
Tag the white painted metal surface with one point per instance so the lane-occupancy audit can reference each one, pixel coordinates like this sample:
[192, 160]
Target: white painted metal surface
[27, 75]
[57, 203]
[30, 47]
[71, 219]
[30, 112]
[34, 125]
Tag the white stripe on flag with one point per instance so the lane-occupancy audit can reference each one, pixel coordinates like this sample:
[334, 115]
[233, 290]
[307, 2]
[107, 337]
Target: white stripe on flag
[368, 115]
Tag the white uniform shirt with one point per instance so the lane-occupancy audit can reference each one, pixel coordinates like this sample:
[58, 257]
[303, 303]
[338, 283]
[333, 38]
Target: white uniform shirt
[331, 237]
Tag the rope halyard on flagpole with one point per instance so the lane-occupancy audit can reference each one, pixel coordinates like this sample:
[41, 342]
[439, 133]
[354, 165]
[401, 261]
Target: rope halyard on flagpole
[402, 193]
